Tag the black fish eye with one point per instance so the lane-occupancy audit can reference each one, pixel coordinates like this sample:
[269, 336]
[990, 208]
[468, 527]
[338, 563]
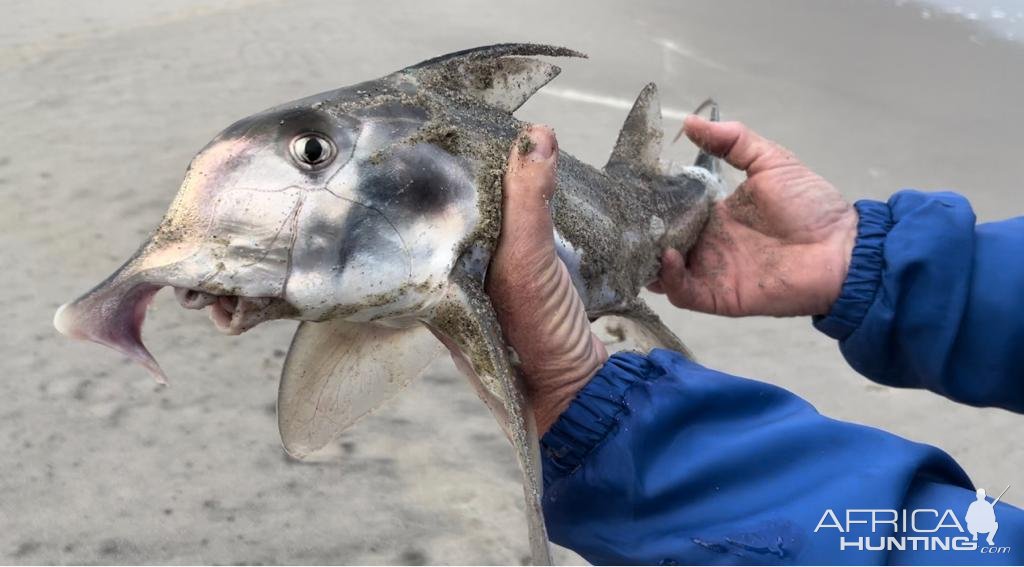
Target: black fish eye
[312, 150]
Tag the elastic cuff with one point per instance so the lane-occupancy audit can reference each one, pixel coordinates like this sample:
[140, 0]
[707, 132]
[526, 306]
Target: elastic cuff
[594, 414]
[865, 272]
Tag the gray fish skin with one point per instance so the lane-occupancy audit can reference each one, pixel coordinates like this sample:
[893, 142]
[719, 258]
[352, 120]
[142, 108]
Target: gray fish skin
[370, 213]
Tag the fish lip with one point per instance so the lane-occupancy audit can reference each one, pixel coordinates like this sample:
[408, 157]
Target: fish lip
[233, 314]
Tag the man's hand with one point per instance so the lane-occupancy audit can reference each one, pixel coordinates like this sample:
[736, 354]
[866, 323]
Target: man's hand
[541, 315]
[779, 245]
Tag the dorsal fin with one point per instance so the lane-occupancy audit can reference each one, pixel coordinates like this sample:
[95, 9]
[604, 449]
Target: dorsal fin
[503, 76]
[639, 145]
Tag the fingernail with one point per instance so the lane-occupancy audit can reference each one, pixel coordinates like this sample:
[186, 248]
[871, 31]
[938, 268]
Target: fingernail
[694, 119]
[692, 127]
[540, 145]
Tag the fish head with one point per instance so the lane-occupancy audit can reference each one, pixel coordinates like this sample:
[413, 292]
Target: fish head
[313, 210]
[350, 204]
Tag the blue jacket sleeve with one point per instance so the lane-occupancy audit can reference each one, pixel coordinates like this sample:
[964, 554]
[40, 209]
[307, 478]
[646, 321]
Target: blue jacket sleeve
[662, 461]
[934, 301]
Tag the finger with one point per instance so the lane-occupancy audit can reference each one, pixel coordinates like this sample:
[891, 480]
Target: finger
[656, 287]
[529, 184]
[684, 290]
[530, 177]
[738, 145]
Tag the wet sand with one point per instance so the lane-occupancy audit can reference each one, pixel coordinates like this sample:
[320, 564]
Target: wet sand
[102, 108]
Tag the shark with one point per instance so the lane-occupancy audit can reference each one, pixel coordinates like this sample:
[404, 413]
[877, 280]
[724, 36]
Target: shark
[369, 213]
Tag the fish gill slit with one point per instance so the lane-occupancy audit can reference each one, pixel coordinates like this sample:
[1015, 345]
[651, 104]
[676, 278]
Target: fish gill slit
[289, 262]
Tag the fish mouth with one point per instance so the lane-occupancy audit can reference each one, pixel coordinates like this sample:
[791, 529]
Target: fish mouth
[233, 314]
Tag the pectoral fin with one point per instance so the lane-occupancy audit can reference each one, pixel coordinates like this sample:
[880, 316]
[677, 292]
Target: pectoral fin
[337, 372]
[466, 323]
[640, 325]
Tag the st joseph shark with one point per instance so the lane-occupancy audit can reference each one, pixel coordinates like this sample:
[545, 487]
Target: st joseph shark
[369, 213]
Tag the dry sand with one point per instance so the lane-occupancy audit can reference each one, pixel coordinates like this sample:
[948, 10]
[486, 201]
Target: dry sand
[102, 107]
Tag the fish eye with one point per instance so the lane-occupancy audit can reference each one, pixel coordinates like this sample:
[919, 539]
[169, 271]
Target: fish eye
[312, 150]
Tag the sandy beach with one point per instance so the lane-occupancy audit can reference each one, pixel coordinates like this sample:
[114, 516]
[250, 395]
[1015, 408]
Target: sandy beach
[103, 106]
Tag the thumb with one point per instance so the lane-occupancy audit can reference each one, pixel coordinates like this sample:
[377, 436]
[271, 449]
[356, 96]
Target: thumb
[738, 145]
[529, 185]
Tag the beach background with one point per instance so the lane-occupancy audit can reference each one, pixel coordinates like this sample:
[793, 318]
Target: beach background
[103, 103]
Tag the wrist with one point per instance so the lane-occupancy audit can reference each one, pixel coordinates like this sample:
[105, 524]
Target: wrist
[545, 322]
[864, 272]
[553, 395]
[564, 354]
[832, 269]
[847, 239]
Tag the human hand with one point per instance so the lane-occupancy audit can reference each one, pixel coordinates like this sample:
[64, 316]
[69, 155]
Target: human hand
[541, 315]
[779, 245]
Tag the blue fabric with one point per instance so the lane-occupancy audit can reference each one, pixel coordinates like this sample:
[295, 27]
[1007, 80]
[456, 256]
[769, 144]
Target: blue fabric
[861, 285]
[934, 301]
[662, 461]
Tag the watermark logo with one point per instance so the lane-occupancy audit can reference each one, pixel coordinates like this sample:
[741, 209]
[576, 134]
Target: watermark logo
[981, 517]
[917, 530]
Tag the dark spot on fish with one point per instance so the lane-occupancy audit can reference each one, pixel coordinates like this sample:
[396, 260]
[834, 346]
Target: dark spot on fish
[270, 409]
[349, 447]
[356, 234]
[419, 180]
[278, 353]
